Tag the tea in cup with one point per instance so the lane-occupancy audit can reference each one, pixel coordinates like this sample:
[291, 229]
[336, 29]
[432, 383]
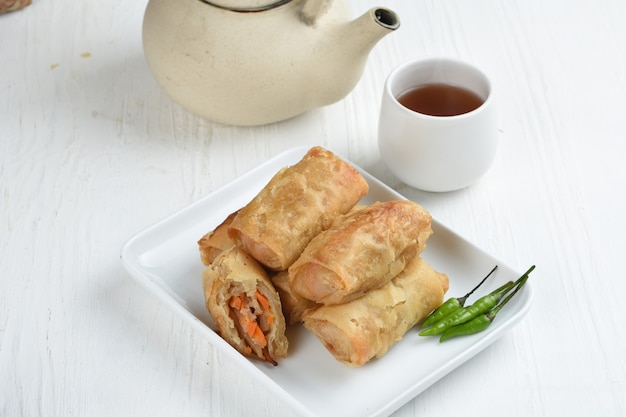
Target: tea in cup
[437, 129]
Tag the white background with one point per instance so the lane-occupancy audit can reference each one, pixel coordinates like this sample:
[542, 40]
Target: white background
[92, 152]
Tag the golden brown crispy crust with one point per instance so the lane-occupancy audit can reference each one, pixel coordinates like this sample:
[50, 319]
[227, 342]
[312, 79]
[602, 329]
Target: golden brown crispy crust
[366, 328]
[299, 202]
[363, 250]
[216, 241]
[233, 274]
[293, 305]
[12, 5]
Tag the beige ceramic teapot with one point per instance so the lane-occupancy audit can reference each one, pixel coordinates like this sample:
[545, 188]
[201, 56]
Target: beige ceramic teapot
[252, 62]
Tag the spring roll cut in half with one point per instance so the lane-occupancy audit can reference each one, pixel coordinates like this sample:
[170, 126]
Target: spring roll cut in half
[361, 251]
[366, 328]
[298, 203]
[216, 241]
[245, 306]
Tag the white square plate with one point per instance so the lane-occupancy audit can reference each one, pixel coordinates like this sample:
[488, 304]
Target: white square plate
[165, 259]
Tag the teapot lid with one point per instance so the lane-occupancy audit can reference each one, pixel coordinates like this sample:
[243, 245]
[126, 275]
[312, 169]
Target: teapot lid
[246, 5]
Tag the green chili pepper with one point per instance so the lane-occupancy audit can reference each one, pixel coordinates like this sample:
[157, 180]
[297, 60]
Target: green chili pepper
[475, 325]
[481, 322]
[480, 306]
[452, 304]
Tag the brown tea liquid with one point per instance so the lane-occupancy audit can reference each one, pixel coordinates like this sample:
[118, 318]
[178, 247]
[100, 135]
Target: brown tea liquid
[439, 99]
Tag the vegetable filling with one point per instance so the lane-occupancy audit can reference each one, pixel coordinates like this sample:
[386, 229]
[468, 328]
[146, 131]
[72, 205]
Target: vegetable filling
[253, 318]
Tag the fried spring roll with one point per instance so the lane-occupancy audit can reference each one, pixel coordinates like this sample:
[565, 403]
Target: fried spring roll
[363, 250]
[368, 327]
[245, 306]
[216, 241]
[298, 203]
[293, 304]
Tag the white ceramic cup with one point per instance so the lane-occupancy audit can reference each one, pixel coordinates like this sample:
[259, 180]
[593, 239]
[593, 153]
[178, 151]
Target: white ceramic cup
[437, 153]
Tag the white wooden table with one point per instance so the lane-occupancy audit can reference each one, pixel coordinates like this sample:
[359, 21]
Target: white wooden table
[92, 152]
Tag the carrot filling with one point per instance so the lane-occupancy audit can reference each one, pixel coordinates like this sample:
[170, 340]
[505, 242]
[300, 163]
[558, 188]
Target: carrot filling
[253, 322]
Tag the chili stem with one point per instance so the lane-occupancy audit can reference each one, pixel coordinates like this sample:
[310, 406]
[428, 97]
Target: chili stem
[525, 275]
[520, 284]
[466, 296]
[481, 306]
[451, 305]
[507, 286]
[481, 322]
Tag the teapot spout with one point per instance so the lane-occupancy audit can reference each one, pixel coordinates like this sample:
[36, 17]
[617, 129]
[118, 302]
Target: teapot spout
[364, 32]
[385, 18]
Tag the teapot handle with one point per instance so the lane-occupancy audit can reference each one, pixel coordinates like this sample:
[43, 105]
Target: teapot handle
[313, 10]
